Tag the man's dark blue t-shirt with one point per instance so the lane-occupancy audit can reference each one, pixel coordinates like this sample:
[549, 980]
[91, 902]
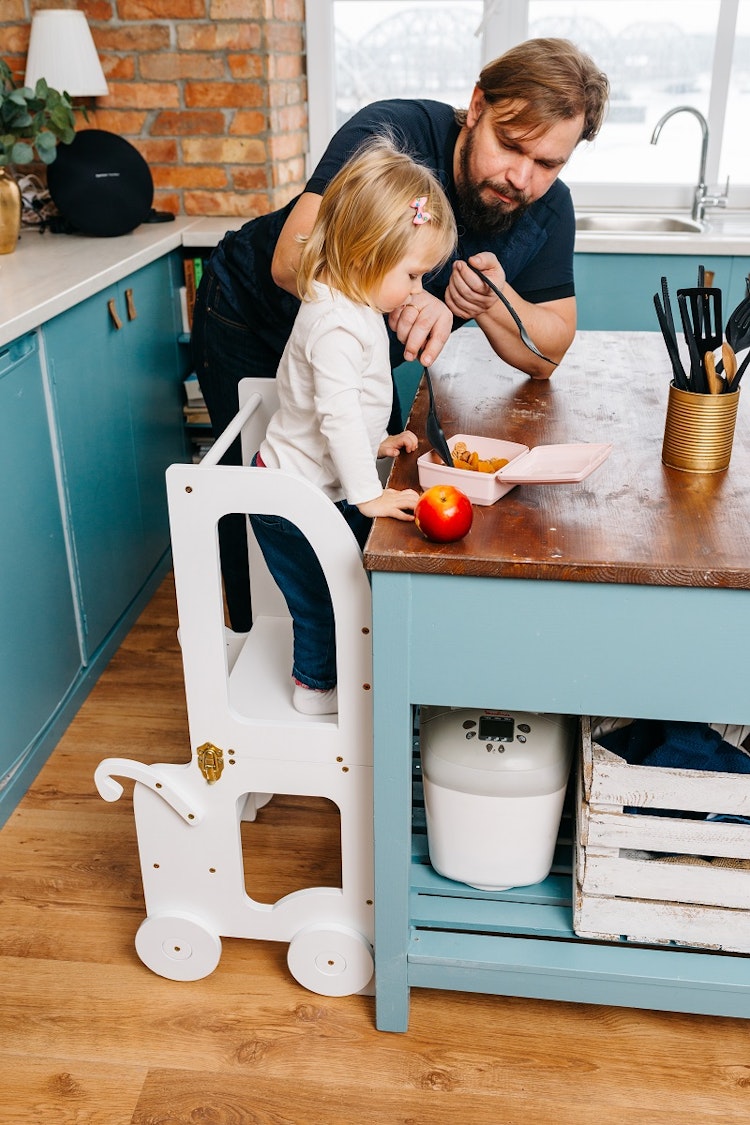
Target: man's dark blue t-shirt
[536, 253]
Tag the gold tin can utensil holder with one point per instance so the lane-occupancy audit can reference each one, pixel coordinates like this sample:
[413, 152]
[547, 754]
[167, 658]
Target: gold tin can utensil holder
[699, 430]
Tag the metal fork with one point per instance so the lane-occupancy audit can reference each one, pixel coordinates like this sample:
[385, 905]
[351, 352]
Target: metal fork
[518, 322]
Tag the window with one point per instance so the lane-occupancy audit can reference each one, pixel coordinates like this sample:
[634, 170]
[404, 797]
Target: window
[658, 54]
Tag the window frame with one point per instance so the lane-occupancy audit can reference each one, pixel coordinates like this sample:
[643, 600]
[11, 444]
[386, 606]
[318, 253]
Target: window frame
[504, 24]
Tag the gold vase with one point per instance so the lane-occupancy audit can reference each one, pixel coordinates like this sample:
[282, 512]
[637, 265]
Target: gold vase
[10, 212]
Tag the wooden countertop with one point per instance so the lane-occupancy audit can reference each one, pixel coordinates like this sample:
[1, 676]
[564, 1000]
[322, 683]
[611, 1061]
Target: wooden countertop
[632, 521]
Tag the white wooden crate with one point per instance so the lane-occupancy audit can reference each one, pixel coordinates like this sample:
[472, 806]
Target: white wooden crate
[697, 892]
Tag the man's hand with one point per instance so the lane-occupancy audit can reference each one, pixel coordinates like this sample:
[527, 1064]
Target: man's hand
[551, 324]
[422, 325]
[467, 296]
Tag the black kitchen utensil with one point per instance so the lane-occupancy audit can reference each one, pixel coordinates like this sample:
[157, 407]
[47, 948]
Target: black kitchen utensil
[740, 372]
[668, 307]
[670, 339]
[433, 429]
[518, 322]
[701, 285]
[738, 326]
[698, 382]
[738, 338]
[705, 324]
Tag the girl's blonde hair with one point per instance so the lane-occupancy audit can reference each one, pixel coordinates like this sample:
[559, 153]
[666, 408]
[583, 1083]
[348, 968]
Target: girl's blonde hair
[365, 224]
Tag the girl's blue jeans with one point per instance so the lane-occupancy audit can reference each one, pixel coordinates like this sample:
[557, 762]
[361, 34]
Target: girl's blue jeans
[298, 574]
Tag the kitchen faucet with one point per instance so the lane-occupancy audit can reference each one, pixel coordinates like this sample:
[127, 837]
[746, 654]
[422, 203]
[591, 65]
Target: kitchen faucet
[702, 198]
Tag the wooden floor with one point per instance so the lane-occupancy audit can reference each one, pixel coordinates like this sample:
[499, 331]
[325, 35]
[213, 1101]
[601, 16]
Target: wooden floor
[89, 1035]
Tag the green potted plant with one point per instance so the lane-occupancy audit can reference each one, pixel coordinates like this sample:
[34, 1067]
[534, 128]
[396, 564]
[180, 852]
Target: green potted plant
[32, 122]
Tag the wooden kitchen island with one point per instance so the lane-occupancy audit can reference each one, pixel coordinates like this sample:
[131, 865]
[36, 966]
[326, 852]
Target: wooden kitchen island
[624, 594]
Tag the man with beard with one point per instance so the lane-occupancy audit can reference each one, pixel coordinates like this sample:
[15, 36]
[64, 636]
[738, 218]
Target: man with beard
[499, 161]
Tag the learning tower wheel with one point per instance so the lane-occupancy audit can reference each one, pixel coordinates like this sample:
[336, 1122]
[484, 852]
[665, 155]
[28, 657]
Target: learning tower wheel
[177, 946]
[331, 960]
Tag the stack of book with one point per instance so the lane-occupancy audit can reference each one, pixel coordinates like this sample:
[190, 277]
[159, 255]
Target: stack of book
[193, 270]
[197, 418]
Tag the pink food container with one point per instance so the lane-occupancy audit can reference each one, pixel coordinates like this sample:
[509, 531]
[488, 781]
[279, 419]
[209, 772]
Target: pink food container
[546, 464]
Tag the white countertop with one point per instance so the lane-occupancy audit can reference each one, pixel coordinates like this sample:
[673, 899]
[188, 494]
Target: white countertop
[49, 273]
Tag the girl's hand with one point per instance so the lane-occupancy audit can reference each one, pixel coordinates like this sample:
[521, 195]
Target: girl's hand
[392, 445]
[467, 296]
[396, 503]
[423, 325]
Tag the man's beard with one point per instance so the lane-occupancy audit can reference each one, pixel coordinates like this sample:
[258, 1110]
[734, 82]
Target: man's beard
[476, 213]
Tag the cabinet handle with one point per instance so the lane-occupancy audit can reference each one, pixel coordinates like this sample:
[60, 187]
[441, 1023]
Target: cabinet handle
[132, 313]
[113, 313]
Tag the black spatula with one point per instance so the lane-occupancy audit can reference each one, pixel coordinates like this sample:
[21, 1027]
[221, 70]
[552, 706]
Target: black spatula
[704, 323]
[433, 429]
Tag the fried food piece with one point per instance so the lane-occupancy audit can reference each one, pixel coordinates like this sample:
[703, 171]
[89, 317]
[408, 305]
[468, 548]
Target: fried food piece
[463, 458]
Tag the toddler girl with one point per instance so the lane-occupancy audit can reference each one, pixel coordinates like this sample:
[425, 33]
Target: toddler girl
[384, 221]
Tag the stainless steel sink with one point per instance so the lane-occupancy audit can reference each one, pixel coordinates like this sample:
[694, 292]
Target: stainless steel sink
[631, 222]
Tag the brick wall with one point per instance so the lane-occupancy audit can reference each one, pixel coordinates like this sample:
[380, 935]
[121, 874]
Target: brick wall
[211, 92]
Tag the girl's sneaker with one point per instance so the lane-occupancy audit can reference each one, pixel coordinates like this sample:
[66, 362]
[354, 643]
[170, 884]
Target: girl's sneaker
[308, 701]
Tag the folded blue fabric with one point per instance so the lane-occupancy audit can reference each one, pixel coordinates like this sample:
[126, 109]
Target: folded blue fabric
[675, 745]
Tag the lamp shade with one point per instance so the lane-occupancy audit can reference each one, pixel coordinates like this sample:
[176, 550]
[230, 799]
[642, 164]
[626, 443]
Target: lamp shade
[62, 51]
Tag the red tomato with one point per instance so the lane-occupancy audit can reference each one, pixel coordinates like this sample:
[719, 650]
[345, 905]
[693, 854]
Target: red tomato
[443, 513]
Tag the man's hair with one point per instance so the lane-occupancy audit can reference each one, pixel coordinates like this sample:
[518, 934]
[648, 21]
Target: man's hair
[365, 224]
[544, 81]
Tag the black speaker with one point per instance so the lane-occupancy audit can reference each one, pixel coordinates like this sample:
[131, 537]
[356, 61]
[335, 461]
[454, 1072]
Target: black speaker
[101, 184]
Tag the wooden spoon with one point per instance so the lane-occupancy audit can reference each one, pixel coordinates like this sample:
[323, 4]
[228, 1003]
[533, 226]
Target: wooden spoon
[730, 364]
[715, 385]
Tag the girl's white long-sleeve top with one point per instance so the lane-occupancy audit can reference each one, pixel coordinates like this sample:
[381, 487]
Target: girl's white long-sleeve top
[335, 396]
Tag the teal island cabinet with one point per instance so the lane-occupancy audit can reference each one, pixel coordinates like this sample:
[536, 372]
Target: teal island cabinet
[590, 597]
[91, 404]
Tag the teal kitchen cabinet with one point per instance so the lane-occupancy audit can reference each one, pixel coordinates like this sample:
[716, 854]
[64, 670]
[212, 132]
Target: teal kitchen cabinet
[734, 286]
[616, 291]
[116, 383]
[40, 656]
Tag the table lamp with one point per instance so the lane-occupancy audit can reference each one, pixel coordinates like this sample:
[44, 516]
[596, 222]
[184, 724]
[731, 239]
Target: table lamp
[62, 51]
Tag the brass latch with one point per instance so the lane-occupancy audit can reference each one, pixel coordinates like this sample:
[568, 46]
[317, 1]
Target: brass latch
[210, 762]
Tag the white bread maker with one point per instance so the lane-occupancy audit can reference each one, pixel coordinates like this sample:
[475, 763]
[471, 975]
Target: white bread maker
[494, 784]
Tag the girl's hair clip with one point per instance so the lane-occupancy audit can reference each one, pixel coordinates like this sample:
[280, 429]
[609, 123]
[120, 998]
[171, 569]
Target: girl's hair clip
[421, 216]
